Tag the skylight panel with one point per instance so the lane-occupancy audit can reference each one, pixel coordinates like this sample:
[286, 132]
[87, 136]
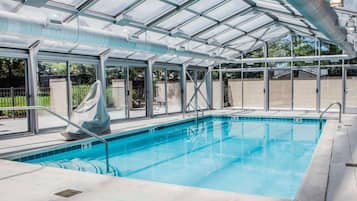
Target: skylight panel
[70, 2]
[255, 23]
[228, 35]
[175, 20]
[228, 9]
[202, 6]
[111, 7]
[196, 25]
[215, 31]
[149, 10]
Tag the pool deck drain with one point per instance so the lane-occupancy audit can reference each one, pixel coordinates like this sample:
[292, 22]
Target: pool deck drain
[68, 193]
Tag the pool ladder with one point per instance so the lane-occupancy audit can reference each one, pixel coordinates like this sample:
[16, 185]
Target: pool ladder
[325, 110]
[101, 139]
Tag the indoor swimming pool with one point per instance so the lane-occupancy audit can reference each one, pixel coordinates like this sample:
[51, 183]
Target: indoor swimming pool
[251, 155]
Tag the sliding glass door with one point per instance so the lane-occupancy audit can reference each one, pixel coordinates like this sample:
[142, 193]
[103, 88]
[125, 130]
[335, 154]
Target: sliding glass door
[351, 90]
[136, 92]
[52, 92]
[116, 92]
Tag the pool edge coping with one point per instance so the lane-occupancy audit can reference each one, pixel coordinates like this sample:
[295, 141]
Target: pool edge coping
[306, 189]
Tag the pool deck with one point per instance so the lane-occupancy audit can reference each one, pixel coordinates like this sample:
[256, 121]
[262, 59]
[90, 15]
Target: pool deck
[327, 178]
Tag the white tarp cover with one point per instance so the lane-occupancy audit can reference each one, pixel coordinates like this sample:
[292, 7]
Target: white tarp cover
[91, 114]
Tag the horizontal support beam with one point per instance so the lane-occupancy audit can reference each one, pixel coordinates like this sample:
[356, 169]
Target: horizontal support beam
[288, 59]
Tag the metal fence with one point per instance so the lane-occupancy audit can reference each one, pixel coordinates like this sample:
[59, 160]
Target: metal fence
[11, 97]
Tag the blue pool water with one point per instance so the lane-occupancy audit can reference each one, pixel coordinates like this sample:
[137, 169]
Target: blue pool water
[248, 155]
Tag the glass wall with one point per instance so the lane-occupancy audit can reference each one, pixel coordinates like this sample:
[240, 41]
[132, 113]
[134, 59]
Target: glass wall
[191, 98]
[233, 89]
[160, 88]
[116, 91]
[82, 76]
[174, 91]
[331, 86]
[305, 89]
[137, 97]
[202, 92]
[351, 90]
[280, 89]
[253, 90]
[13, 92]
[52, 79]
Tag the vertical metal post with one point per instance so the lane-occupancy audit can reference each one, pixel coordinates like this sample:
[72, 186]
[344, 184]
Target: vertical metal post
[149, 89]
[344, 76]
[12, 97]
[209, 87]
[32, 66]
[292, 71]
[69, 88]
[196, 89]
[242, 81]
[166, 105]
[183, 88]
[318, 77]
[127, 92]
[266, 79]
[221, 88]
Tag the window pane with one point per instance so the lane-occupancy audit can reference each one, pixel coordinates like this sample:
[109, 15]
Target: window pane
[305, 89]
[159, 102]
[351, 90]
[232, 89]
[12, 93]
[137, 98]
[253, 90]
[116, 92]
[82, 77]
[202, 97]
[280, 89]
[52, 92]
[173, 91]
[331, 86]
[190, 91]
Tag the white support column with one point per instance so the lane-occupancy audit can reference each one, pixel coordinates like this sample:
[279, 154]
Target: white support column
[183, 88]
[209, 87]
[266, 79]
[291, 71]
[318, 85]
[221, 87]
[149, 88]
[344, 76]
[32, 80]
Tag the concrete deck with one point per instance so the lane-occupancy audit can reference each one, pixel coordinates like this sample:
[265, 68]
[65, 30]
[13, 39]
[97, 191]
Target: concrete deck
[336, 147]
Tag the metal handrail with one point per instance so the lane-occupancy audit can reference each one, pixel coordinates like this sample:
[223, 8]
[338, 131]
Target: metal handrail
[104, 141]
[325, 110]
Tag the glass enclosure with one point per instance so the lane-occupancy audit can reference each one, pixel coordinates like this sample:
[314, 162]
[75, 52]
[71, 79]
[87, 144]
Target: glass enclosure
[305, 89]
[233, 89]
[253, 90]
[116, 91]
[52, 92]
[351, 90]
[13, 92]
[280, 89]
[137, 97]
[173, 92]
[331, 86]
[160, 89]
[82, 76]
